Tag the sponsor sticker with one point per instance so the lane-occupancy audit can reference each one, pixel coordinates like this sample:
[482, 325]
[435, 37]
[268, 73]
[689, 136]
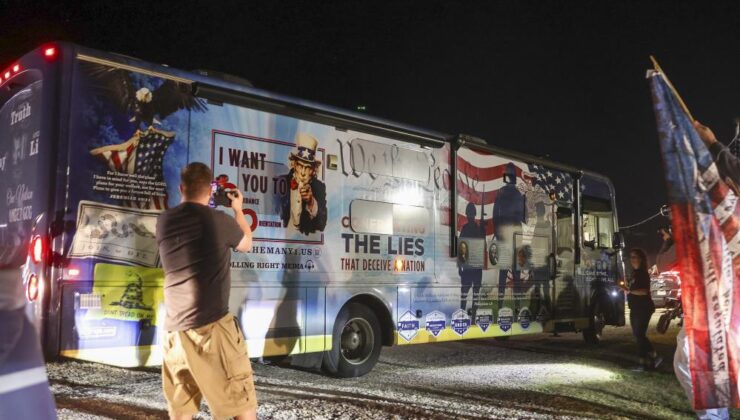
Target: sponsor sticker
[460, 322]
[484, 318]
[436, 322]
[505, 319]
[116, 233]
[408, 326]
[525, 318]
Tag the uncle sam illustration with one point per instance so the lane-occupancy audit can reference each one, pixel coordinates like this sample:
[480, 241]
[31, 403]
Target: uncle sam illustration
[303, 208]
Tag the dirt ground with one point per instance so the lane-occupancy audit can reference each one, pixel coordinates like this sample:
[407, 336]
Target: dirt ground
[532, 377]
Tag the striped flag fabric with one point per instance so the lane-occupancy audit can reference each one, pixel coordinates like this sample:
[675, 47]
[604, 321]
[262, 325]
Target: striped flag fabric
[143, 155]
[706, 229]
[480, 179]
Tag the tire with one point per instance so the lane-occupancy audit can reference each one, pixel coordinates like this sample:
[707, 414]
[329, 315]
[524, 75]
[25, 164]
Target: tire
[596, 323]
[356, 342]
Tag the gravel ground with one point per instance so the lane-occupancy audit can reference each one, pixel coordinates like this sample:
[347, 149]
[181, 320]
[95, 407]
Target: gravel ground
[532, 377]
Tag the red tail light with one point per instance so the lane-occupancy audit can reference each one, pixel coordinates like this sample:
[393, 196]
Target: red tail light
[32, 292]
[50, 52]
[37, 249]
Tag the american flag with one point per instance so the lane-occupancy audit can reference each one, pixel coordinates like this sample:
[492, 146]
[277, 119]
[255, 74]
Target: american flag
[480, 177]
[142, 155]
[706, 230]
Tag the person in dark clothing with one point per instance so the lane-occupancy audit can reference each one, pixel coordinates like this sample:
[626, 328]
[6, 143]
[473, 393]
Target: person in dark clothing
[470, 277]
[666, 259]
[728, 164]
[641, 309]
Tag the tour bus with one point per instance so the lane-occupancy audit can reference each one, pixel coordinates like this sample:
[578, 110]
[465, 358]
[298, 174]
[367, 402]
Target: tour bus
[367, 233]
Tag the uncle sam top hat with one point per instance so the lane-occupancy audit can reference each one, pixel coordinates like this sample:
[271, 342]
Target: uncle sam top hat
[305, 149]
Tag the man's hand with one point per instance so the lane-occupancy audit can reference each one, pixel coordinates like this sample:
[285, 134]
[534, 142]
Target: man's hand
[237, 204]
[306, 193]
[705, 133]
[237, 199]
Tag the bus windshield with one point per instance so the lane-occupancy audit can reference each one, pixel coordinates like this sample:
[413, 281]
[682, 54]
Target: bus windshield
[20, 120]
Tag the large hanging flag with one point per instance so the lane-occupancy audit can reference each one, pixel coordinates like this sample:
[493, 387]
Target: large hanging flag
[706, 229]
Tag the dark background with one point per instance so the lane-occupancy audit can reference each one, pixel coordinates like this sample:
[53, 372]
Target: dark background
[564, 79]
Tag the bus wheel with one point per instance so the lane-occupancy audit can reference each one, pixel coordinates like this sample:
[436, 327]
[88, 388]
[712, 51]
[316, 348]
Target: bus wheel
[596, 322]
[356, 342]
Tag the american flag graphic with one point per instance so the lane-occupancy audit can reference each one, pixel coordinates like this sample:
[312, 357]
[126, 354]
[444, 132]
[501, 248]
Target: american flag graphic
[480, 177]
[143, 155]
[706, 230]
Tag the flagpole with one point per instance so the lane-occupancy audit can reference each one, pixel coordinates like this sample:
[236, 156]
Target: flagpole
[675, 92]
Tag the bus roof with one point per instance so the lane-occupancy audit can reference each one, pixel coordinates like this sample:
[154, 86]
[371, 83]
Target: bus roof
[217, 88]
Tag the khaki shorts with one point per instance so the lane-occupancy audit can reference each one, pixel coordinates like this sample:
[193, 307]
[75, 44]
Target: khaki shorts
[212, 362]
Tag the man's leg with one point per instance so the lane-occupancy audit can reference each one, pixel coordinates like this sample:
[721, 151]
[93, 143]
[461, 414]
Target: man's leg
[250, 414]
[180, 390]
[222, 369]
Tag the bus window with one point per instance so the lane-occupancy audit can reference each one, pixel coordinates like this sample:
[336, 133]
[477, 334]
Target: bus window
[387, 218]
[564, 228]
[598, 223]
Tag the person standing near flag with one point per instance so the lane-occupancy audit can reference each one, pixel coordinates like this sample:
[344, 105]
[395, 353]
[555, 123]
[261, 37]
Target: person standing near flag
[641, 309]
[728, 164]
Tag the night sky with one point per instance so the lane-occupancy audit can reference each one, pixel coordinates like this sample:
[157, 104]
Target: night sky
[563, 79]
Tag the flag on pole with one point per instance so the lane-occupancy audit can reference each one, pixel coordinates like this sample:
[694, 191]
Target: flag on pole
[706, 230]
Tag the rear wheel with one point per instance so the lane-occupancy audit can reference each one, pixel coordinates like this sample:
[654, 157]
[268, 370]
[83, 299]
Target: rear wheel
[596, 323]
[356, 342]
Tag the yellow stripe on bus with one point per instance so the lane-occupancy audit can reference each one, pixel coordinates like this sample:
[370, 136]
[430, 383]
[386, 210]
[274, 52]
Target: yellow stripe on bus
[135, 356]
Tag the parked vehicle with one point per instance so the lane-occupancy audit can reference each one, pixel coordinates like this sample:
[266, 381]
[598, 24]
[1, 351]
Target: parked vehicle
[665, 286]
[411, 236]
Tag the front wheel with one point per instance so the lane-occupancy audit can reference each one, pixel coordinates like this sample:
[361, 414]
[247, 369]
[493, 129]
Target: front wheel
[356, 342]
[596, 323]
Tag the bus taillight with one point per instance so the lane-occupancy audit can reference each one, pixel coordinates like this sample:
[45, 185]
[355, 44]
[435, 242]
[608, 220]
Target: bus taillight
[32, 291]
[37, 249]
[50, 52]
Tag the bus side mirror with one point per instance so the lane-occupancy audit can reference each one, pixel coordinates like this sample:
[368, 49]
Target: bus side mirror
[618, 241]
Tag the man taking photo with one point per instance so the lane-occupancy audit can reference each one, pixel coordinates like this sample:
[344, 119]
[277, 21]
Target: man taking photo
[205, 353]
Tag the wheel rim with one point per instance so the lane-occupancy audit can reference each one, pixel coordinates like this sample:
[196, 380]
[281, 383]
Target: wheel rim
[357, 341]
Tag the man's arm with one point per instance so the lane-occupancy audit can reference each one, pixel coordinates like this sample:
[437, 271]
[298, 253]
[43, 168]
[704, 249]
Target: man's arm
[727, 164]
[245, 245]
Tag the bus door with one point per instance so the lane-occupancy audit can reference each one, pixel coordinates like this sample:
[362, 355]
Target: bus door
[598, 269]
[565, 296]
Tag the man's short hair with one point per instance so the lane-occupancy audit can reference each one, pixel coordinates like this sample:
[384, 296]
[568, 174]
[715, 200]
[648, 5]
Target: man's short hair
[195, 179]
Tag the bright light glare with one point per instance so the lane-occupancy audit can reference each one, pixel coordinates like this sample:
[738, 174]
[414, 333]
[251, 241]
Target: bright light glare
[523, 375]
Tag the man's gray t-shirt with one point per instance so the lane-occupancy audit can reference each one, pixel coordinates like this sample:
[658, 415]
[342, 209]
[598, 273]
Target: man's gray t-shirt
[195, 244]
